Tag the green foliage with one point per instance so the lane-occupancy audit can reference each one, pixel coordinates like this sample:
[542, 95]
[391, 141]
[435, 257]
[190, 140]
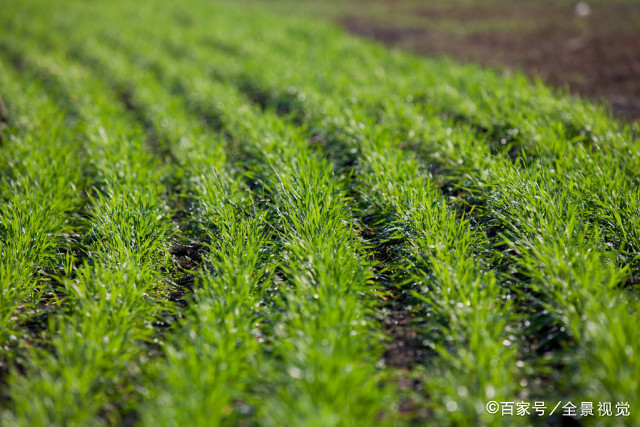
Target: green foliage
[321, 178]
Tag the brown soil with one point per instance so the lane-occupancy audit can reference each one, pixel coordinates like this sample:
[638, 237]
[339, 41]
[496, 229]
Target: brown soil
[597, 56]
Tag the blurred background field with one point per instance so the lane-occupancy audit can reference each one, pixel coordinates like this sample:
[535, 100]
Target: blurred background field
[591, 48]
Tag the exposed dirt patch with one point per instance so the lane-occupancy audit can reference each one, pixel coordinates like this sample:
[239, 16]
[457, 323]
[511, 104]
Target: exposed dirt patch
[592, 56]
[405, 349]
[4, 114]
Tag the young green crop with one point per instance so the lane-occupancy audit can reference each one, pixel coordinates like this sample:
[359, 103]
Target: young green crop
[511, 215]
[277, 97]
[41, 178]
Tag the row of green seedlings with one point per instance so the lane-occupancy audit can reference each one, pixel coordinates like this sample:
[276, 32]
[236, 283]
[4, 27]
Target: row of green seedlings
[96, 344]
[40, 185]
[334, 283]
